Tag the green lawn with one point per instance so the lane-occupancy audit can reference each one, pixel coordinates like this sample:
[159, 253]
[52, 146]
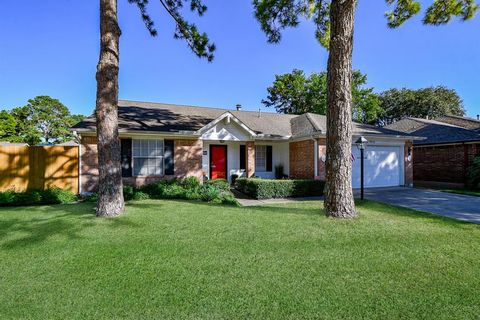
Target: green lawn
[175, 259]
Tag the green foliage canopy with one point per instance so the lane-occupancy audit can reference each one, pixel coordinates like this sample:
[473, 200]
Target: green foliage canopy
[7, 125]
[42, 120]
[297, 93]
[429, 103]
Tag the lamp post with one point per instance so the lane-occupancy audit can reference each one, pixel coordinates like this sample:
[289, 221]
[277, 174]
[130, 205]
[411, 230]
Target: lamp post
[361, 144]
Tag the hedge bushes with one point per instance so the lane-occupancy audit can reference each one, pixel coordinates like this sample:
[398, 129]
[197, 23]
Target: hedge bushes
[36, 197]
[267, 189]
[221, 184]
[214, 191]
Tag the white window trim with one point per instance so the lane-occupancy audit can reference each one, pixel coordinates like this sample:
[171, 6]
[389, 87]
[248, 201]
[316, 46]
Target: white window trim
[163, 158]
[265, 160]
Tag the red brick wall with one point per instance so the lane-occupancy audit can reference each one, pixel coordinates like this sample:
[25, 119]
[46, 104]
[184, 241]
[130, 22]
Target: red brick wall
[301, 159]
[447, 163]
[250, 158]
[140, 181]
[89, 164]
[188, 158]
[187, 162]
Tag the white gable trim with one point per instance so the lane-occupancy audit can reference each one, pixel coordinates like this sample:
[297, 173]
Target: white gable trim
[228, 117]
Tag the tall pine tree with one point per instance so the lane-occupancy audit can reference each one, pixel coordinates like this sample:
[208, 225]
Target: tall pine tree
[110, 195]
[334, 20]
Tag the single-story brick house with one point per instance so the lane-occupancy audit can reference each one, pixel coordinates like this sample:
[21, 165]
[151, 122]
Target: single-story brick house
[163, 140]
[450, 146]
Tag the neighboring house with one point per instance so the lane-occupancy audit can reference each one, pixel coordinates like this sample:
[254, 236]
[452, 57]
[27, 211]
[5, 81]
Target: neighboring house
[444, 156]
[463, 122]
[164, 141]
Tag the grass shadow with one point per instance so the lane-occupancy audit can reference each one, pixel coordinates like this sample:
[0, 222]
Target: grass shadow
[267, 208]
[68, 221]
[286, 208]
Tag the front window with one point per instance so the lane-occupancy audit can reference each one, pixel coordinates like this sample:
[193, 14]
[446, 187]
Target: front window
[147, 157]
[261, 158]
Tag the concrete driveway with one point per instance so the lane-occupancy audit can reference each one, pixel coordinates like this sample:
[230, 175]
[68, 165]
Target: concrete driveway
[461, 207]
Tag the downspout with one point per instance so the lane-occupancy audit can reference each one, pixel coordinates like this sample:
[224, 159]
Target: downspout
[315, 157]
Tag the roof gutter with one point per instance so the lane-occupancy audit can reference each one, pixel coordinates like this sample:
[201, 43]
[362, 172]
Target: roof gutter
[388, 136]
[179, 133]
[318, 134]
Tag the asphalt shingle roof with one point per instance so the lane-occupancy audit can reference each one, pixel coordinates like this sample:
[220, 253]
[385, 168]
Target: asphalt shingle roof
[436, 132]
[160, 117]
[464, 122]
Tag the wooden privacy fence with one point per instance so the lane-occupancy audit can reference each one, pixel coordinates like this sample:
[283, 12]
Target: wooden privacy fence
[38, 167]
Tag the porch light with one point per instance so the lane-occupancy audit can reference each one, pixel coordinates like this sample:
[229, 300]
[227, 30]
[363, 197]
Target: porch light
[361, 144]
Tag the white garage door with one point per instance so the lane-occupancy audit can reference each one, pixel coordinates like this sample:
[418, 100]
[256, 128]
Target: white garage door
[383, 166]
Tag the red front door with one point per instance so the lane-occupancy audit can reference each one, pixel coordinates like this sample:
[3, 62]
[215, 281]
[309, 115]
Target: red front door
[218, 162]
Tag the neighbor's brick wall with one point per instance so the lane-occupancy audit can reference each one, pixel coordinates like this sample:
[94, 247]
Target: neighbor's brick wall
[301, 159]
[408, 164]
[89, 164]
[188, 158]
[473, 151]
[446, 163]
[250, 147]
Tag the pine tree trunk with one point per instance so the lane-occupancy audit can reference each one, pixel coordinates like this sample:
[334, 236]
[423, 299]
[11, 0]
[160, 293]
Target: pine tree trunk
[110, 193]
[338, 190]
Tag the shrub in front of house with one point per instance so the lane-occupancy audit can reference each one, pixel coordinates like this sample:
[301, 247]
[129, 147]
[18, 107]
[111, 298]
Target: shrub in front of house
[214, 191]
[190, 183]
[128, 193]
[139, 195]
[36, 197]
[268, 189]
[221, 184]
[57, 196]
[7, 198]
[473, 174]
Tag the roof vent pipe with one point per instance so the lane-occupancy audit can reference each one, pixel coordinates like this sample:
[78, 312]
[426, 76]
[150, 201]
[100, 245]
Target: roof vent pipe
[259, 112]
[478, 116]
[239, 107]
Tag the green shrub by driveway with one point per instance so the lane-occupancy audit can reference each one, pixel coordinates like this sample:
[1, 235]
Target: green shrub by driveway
[170, 259]
[268, 189]
[473, 174]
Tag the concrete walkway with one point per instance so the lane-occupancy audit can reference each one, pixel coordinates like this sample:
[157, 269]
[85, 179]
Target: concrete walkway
[460, 207]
